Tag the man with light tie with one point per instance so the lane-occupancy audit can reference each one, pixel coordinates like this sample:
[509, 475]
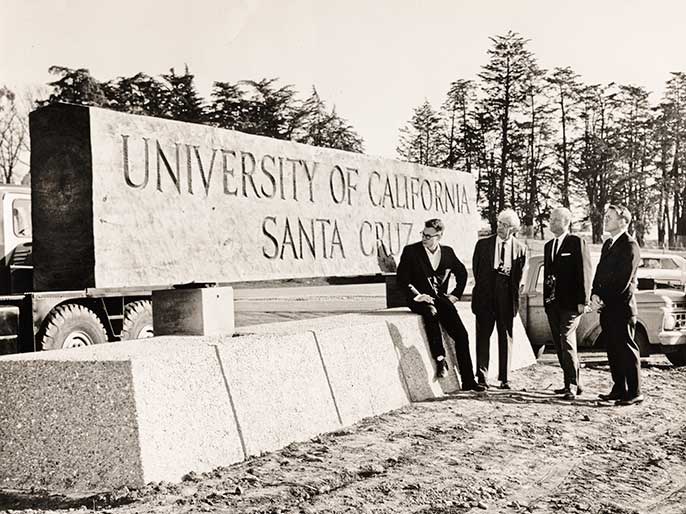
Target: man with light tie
[498, 264]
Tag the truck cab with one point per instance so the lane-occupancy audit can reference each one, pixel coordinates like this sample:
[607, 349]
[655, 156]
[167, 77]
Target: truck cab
[16, 265]
[47, 320]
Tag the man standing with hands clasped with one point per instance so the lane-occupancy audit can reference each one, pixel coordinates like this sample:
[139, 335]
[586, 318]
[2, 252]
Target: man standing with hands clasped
[566, 291]
[613, 294]
[423, 273]
[498, 264]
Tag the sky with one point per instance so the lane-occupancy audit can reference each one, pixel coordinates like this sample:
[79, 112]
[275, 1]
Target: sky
[374, 60]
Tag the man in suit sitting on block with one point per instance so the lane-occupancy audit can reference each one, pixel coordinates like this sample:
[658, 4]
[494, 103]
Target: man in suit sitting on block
[423, 273]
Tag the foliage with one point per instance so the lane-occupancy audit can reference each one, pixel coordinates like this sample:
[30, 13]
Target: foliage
[262, 107]
[420, 139]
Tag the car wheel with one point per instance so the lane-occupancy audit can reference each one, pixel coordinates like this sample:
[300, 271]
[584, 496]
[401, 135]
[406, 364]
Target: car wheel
[678, 358]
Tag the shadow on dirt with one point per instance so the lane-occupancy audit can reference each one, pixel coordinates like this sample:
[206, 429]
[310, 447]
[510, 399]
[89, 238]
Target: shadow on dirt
[43, 500]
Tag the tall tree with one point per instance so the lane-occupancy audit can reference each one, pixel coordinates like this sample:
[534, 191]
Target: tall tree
[14, 135]
[635, 186]
[663, 138]
[597, 160]
[675, 97]
[269, 109]
[182, 101]
[76, 86]
[537, 126]
[459, 135]
[139, 94]
[323, 127]
[420, 137]
[567, 88]
[504, 82]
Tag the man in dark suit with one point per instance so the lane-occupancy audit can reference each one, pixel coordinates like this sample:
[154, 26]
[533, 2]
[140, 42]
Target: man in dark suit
[423, 273]
[498, 264]
[566, 292]
[613, 294]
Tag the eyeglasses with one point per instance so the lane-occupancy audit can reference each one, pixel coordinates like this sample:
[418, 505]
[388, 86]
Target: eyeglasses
[429, 236]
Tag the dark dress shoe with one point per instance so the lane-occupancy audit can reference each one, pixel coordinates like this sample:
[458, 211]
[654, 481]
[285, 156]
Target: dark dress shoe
[611, 396]
[630, 401]
[561, 390]
[485, 385]
[474, 387]
[569, 395]
[504, 385]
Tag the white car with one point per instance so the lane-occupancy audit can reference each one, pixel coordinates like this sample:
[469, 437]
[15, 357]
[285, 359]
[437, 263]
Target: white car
[663, 267]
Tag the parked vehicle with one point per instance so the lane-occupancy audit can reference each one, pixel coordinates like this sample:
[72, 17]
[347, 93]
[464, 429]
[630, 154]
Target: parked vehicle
[663, 267]
[32, 320]
[660, 326]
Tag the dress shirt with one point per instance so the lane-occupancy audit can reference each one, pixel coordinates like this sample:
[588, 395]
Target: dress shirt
[614, 238]
[559, 239]
[435, 257]
[507, 262]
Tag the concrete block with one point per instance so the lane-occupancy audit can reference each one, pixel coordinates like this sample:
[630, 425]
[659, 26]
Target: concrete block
[193, 311]
[408, 339]
[363, 369]
[279, 389]
[68, 425]
[198, 203]
[106, 416]
[412, 347]
[359, 359]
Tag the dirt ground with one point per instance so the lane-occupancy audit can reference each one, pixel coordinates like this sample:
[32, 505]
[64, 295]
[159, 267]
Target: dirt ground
[522, 451]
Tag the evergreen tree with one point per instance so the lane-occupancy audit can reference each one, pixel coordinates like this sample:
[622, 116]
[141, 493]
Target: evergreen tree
[504, 84]
[420, 139]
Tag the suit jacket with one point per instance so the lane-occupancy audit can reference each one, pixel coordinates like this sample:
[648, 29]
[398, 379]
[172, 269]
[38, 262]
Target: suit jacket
[569, 276]
[483, 294]
[415, 269]
[615, 277]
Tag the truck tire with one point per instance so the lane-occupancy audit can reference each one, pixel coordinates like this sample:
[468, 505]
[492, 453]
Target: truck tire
[642, 341]
[137, 320]
[678, 358]
[72, 326]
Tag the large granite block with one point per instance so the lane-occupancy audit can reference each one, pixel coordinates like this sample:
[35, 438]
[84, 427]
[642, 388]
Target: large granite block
[359, 360]
[111, 415]
[279, 389]
[410, 358]
[127, 413]
[68, 425]
[193, 203]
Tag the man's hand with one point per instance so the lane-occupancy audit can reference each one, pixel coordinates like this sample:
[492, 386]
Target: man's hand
[596, 303]
[452, 298]
[423, 298]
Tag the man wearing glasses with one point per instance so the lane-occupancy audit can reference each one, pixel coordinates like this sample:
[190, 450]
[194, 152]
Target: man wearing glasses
[498, 264]
[613, 294]
[423, 273]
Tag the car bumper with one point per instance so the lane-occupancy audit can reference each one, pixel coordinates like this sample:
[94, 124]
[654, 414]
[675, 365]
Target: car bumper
[672, 338]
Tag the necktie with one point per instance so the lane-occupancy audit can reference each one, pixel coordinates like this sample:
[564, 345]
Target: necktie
[502, 254]
[606, 246]
[552, 257]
